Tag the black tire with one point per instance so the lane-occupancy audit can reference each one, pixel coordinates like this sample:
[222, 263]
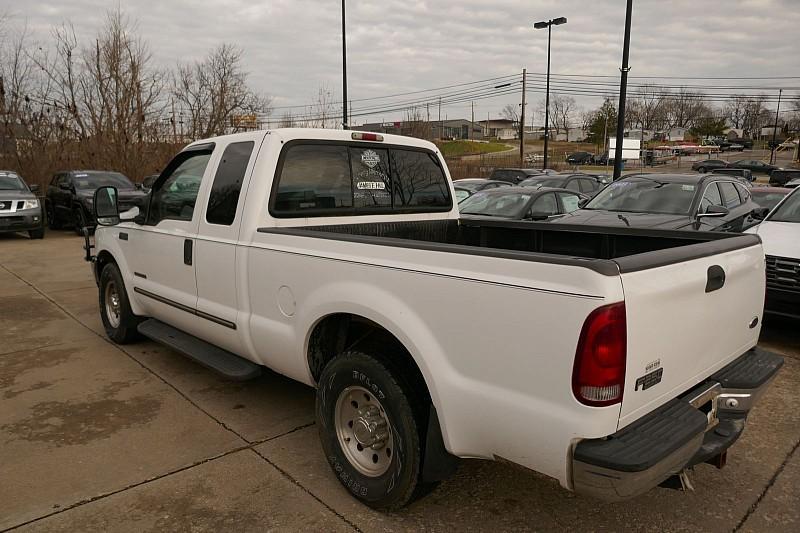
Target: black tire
[702, 170]
[78, 220]
[398, 485]
[122, 328]
[52, 218]
[36, 233]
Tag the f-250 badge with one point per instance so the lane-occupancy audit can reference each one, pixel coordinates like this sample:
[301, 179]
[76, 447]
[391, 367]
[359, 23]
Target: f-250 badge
[652, 377]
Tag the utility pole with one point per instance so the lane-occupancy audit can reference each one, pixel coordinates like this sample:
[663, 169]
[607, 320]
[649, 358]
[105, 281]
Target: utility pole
[623, 87]
[440, 118]
[174, 126]
[473, 119]
[775, 129]
[344, 72]
[522, 121]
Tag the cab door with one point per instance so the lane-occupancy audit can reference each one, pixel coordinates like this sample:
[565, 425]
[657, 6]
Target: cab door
[161, 252]
[216, 252]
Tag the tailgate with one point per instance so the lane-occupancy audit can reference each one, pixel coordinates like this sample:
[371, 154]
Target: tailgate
[681, 328]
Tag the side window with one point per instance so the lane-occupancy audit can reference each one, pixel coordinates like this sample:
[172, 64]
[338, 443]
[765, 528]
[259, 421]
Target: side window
[545, 205]
[744, 194]
[63, 179]
[372, 187]
[419, 180]
[588, 186]
[227, 183]
[176, 195]
[569, 202]
[314, 177]
[573, 185]
[729, 194]
[711, 197]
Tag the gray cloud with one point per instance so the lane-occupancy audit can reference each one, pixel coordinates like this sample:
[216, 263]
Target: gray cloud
[293, 47]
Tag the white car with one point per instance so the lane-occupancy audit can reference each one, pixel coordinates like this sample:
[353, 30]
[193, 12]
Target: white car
[780, 235]
[338, 259]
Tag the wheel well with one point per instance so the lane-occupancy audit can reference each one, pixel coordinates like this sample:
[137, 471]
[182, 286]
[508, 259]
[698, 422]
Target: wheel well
[103, 258]
[341, 332]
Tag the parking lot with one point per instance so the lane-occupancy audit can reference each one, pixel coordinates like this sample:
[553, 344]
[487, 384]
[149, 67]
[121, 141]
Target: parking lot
[97, 436]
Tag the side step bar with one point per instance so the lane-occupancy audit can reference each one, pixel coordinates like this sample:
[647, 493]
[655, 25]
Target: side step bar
[221, 361]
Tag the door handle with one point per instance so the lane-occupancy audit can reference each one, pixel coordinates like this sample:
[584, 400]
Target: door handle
[716, 278]
[123, 236]
[187, 252]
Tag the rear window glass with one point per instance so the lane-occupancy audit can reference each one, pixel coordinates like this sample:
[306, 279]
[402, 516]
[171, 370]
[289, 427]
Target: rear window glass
[315, 179]
[228, 183]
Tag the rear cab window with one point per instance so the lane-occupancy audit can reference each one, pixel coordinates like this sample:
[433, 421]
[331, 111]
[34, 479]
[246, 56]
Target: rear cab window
[338, 178]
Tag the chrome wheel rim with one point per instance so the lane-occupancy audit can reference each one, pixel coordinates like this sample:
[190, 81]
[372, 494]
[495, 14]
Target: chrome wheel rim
[112, 302]
[364, 432]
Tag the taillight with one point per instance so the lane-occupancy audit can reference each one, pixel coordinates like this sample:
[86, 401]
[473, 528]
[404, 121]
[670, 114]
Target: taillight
[598, 377]
[358, 136]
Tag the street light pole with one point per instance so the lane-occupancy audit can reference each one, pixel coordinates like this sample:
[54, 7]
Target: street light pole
[623, 87]
[775, 129]
[539, 26]
[344, 72]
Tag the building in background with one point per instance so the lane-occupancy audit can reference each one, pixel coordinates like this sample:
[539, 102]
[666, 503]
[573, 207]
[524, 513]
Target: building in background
[502, 128]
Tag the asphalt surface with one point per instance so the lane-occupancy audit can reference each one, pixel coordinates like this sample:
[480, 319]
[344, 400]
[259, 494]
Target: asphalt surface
[98, 437]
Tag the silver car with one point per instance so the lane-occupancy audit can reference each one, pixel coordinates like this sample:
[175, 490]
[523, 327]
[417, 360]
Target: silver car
[20, 209]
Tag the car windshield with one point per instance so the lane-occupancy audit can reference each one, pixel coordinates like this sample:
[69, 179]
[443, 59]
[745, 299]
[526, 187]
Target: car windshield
[94, 180]
[493, 204]
[767, 199]
[645, 195]
[469, 185]
[789, 210]
[11, 182]
[542, 181]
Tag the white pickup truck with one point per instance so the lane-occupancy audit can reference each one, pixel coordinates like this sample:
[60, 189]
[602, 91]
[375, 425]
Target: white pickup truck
[607, 358]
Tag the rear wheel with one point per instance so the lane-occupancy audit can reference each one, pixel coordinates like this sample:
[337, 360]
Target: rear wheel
[368, 430]
[115, 311]
[78, 220]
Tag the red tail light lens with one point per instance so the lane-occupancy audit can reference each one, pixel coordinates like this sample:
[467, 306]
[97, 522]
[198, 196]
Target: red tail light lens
[598, 377]
[358, 136]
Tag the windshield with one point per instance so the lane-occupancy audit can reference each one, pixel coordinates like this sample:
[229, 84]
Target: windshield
[461, 194]
[469, 185]
[11, 182]
[95, 180]
[767, 199]
[543, 181]
[789, 210]
[508, 205]
[645, 195]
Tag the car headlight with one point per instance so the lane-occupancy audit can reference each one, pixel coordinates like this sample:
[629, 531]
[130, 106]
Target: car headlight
[31, 204]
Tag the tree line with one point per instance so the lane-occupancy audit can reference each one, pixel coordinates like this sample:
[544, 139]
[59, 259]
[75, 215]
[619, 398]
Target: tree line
[102, 102]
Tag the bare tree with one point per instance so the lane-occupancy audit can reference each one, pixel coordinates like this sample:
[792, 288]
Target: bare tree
[735, 110]
[511, 112]
[287, 120]
[683, 109]
[415, 124]
[323, 113]
[647, 108]
[562, 112]
[214, 90]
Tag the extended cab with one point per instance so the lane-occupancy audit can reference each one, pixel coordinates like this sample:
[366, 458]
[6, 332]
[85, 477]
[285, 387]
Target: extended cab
[607, 358]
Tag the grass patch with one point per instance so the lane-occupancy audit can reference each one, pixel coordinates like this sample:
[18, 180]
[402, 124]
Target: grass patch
[459, 148]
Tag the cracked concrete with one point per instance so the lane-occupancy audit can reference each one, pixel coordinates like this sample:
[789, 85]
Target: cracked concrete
[98, 437]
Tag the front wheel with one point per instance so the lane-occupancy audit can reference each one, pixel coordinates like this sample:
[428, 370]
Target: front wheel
[702, 170]
[50, 212]
[79, 220]
[115, 311]
[368, 430]
[36, 233]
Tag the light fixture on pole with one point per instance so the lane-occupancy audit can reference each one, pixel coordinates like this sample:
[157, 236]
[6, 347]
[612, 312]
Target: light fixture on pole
[540, 26]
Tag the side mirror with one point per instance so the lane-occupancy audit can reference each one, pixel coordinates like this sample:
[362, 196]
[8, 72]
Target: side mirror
[106, 208]
[34, 188]
[760, 213]
[714, 211]
[533, 215]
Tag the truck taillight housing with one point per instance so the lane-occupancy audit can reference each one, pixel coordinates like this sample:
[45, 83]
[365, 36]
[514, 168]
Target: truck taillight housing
[598, 377]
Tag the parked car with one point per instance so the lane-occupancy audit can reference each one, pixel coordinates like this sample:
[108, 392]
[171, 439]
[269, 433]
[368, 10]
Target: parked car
[735, 147]
[768, 197]
[782, 176]
[69, 197]
[468, 186]
[587, 184]
[522, 203]
[513, 175]
[780, 236]
[20, 210]
[792, 184]
[709, 164]
[741, 173]
[307, 253]
[671, 201]
[745, 143]
[754, 165]
[580, 158]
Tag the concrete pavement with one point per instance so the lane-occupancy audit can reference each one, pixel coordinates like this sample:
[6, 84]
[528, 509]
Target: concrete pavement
[97, 437]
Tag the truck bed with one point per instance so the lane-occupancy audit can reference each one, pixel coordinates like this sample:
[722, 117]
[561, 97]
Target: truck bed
[606, 250]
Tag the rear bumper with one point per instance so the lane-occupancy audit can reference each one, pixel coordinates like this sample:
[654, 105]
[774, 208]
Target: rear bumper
[29, 219]
[692, 429]
[782, 303]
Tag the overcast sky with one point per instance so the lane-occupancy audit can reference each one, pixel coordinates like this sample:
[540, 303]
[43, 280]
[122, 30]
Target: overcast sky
[292, 47]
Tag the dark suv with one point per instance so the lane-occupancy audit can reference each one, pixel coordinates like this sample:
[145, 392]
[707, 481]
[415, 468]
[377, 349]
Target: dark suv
[19, 207]
[71, 193]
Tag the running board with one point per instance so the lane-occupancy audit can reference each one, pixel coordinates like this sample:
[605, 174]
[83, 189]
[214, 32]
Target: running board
[221, 361]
